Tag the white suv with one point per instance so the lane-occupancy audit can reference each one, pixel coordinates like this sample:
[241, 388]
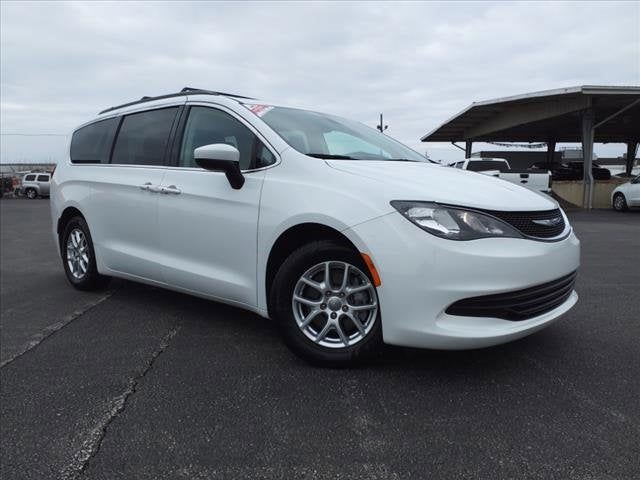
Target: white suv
[36, 185]
[345, 237]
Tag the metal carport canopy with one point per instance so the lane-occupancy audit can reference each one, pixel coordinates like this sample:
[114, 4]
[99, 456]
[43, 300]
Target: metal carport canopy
[586, 114]
[547, 116]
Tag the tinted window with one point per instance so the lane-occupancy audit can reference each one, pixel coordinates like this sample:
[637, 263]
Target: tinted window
[92, 144]
[264, 157]
[208, 125]
[143, 137]
[484, 165]
[43, 178]
[30, 178]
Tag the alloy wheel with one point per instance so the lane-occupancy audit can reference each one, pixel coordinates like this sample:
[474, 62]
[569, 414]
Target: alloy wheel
[335, 304]
[77, 253]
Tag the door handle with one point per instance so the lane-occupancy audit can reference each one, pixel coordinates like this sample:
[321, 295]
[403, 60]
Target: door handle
[149, 187]
[171, 189]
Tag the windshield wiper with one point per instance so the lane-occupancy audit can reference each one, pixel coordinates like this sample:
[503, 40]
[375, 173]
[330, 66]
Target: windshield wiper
[330, 157]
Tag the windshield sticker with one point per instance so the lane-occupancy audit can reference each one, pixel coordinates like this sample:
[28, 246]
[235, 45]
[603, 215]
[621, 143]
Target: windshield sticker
[259, 110]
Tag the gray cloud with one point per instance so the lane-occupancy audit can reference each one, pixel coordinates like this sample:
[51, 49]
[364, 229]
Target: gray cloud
[417, 62]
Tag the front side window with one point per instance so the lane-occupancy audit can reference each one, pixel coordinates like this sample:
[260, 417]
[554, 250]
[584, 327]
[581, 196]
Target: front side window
[327, 136]
[206, 126]
[92, 144]
[143, 137]
[30, 178]
[43, 178]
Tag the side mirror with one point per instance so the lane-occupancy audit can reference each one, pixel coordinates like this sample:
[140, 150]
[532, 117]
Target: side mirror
[220, 157]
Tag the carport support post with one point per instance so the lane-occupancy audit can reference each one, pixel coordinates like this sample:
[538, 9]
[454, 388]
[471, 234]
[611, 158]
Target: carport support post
[551, 151]
[587, 157]
[467, 148]
[631, 156]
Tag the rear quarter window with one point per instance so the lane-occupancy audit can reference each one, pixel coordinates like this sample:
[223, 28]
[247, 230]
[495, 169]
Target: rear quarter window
[92, 144]
[43, 178]
[143, 137]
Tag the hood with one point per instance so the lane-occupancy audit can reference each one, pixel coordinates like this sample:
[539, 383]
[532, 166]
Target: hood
[428, 182]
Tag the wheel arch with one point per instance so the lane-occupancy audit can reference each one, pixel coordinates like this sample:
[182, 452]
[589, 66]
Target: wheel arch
[293, 238]
[618, 193]
[67, 214]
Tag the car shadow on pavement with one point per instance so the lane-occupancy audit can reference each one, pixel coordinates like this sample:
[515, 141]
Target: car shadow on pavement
[253, 333]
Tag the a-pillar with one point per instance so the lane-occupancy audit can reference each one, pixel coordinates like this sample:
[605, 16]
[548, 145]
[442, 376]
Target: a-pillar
[587, 157]
[631, 156]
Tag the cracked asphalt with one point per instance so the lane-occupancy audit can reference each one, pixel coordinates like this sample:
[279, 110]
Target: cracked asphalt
[140, 383]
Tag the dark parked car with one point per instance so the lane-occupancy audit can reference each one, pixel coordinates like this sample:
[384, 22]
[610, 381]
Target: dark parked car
[6, 185]
[572, 170]
[598, 172]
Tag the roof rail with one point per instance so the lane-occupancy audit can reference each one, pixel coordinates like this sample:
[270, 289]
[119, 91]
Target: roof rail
[185, 91]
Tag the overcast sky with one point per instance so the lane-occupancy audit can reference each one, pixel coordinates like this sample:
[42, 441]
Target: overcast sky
[419, 63]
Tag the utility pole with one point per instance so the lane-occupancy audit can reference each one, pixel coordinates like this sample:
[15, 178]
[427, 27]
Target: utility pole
[382, 127]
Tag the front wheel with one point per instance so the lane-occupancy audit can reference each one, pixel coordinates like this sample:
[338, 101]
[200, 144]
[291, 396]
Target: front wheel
[619, 202]
[326, 305]
[31, 194]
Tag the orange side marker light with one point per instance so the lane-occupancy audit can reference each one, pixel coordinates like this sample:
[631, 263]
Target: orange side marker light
[372, 269]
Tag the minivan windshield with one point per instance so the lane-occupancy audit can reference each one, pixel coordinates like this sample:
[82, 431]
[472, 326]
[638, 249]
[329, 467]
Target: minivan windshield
[327, 136]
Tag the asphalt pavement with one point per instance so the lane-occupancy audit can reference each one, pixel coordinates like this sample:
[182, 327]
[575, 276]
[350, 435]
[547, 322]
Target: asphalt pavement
[140, 383]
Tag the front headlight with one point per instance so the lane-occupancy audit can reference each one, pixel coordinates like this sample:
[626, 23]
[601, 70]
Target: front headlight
[454, 223]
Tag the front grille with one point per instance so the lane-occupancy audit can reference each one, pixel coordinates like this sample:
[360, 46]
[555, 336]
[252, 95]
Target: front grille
[525, 222]
[518, 305]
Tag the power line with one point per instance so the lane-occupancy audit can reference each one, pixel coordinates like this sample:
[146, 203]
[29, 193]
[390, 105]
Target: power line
[34, 134]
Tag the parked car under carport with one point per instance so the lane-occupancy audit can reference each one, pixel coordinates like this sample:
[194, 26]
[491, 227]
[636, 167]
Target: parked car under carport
[572, 170]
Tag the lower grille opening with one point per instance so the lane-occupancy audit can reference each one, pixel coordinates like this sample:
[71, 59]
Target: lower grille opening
[520, 304]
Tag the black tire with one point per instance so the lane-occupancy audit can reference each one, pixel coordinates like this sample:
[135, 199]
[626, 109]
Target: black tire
[619, 202]
[91, 280]
[281, 307]
[31, 193]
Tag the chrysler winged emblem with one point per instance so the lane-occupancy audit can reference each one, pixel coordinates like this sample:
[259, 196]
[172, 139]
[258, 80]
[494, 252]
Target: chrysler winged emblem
[548, 222]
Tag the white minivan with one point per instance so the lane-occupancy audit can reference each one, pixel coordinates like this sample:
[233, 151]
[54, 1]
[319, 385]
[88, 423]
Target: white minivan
[342, 235]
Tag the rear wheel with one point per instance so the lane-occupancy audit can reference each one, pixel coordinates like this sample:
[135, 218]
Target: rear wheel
[619, 202]
[31, 193]
[326, 305]
[78, 256]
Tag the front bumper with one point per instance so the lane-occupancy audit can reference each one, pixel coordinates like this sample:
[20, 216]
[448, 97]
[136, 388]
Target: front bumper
[422, 275]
